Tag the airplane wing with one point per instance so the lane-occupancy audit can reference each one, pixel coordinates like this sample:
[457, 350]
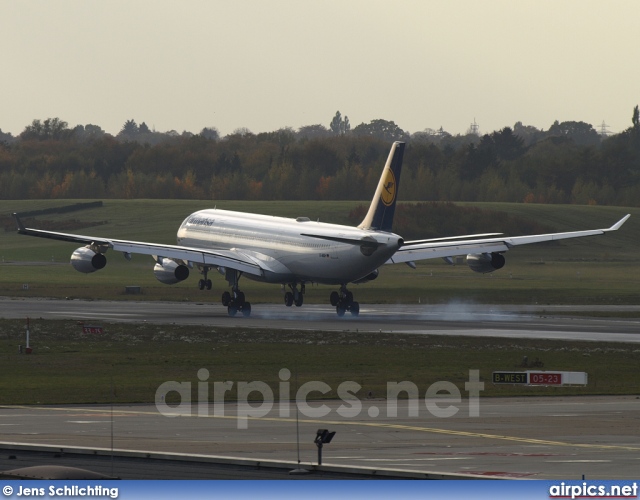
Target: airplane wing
[226, 258]
[432, 249]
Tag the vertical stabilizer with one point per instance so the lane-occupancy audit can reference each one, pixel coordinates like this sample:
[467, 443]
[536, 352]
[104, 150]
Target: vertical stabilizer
[383, 205]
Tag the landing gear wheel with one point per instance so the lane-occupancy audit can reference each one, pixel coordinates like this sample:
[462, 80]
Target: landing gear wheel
[343, 302]
[299, 300]
[246, 309]
[348, 297]
[288, 299]
[355, 309]
[208, 285]
[235, 300]
[201, 284]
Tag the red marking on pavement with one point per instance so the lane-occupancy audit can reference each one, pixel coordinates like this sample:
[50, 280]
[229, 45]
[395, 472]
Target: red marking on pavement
[499, 474]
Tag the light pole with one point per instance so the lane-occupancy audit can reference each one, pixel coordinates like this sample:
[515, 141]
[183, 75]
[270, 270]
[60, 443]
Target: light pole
[323, 436]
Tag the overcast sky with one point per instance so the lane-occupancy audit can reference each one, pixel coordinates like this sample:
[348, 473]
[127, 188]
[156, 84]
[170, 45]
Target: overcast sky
[267, 64]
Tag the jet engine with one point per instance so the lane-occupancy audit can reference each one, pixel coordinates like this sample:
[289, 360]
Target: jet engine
[86, 260]
[485, 262]
[170, 272]
[369, 277]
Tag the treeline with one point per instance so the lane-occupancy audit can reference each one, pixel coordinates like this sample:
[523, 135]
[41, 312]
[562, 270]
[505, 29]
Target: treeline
[568, 163]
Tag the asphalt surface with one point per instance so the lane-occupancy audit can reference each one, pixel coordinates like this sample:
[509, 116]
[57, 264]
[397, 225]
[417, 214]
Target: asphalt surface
[550, 438]
[449, 319]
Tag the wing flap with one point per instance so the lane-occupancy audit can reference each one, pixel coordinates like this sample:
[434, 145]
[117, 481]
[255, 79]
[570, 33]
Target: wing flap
[410, 254]
[230, 259]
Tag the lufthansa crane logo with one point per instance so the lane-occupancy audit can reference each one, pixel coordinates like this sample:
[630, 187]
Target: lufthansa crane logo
[388, 195]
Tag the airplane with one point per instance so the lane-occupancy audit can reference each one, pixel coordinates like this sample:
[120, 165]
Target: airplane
[296, 252]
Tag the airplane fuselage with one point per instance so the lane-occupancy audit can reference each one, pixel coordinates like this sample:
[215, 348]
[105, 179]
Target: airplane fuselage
[291, 250]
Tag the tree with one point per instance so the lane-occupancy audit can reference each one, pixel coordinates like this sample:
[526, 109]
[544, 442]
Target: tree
[210, 133]
[51, 129]
[129, 130]
[242, 132]
[428, 135]
[508, 146]
[580, 132]
[636, 127]
[479, 158]
[339, 125]
[87, 132]
[336, 123]
[319, 157]
[384, 130]
[313, 131]
[5, 137]
[530, 135]
[345, 127]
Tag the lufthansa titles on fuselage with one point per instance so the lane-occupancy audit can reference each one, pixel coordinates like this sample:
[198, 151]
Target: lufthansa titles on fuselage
[201, 221]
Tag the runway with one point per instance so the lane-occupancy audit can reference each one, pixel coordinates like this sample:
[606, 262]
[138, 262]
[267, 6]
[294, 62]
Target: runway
[543, 438]
[484, 320]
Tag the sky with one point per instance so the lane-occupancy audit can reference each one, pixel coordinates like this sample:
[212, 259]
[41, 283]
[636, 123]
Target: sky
[267, 64]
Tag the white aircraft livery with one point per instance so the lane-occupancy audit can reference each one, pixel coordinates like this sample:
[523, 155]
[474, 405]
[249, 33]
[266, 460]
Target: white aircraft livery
[294, 252]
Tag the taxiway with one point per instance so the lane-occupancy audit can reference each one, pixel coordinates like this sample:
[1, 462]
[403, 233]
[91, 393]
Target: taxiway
[550, 438]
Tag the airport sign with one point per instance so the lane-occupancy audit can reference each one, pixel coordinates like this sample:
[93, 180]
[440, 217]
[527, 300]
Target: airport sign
[540, 378]
[545, 378]
[510, 377]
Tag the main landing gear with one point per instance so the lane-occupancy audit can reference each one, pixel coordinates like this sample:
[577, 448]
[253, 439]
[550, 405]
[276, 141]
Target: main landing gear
[295, 296]
[234, 301]
[343, 302]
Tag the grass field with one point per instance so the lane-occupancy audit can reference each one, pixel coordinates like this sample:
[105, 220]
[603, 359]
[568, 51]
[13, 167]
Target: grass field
[603, 270]
[68, 366]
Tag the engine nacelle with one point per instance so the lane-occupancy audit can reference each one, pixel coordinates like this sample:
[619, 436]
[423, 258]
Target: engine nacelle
[485, 262]
[86, 260]
[369, 277]
[170, 272]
